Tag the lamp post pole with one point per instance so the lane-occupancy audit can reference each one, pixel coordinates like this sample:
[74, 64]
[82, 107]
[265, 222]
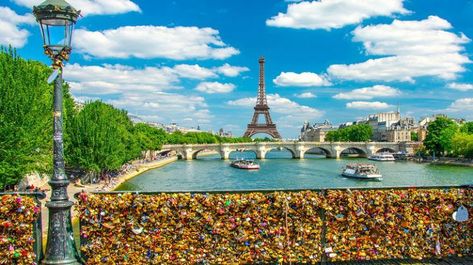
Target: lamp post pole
[53, 15]
[60, 247]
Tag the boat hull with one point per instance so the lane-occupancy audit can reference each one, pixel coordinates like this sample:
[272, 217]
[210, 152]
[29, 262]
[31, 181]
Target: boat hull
[356, 176]
[245, 166]
[381, 159]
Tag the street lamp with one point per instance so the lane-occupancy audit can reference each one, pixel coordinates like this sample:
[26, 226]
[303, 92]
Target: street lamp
[57, 19]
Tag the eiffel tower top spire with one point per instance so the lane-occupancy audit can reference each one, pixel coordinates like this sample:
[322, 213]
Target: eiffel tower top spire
[261, 100]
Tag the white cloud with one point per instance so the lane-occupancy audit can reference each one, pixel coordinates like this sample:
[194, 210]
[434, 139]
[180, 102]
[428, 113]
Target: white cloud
[116, 79]
[460, 86]
[367, 105]
[305, 79]
[462, 105]
[194, 71]
[231, 71]
[306, 95]
[112, 79]
[178, 43]
[413, 49]
[289, 113]
[10, 31]
[328, 14]
[369, 93]
[215, 87]
[140, 91]
[93, 7]
[165, 107]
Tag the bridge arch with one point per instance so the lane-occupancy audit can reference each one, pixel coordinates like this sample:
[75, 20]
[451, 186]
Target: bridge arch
[326, 151]
[180, 154]
[386, 149]
[354, 150]
[293, 153]
[234, 153]
[196, 152]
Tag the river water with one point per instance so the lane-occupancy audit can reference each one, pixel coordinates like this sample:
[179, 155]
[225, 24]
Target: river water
[279, 171]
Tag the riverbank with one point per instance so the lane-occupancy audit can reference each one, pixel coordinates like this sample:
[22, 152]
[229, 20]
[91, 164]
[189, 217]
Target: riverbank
[141, 168]
[116, 181]
[452, 163]
[445, 161]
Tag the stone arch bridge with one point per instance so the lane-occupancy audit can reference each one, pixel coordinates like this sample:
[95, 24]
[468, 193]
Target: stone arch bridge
[297, 149]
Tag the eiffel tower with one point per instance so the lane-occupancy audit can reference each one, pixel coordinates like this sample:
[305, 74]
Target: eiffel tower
[262, 108]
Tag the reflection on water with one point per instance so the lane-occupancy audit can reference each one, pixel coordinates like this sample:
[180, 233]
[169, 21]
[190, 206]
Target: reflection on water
[279, 171]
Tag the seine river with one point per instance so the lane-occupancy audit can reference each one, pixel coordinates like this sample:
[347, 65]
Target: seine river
[279, 171]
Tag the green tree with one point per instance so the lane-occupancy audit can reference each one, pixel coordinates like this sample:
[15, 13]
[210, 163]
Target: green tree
[148, 138]
[360, 133]
[234, 139]
[265, 139]
[178, 137]
[332, 136]
[462, 145]
[467, 127]
[414, 136]
[101, 139]
[354, 133]
[25, 117]
[439, 136]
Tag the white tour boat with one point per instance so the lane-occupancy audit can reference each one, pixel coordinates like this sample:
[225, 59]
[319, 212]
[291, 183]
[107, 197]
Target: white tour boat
[382, 157]
[244, 164]
[361, 171]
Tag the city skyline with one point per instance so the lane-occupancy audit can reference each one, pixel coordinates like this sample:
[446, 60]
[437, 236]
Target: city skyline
[196, 63]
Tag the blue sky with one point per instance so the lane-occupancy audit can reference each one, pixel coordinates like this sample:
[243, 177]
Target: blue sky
[196, 62]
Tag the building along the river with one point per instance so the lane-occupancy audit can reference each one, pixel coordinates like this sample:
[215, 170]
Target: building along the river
[316, 132]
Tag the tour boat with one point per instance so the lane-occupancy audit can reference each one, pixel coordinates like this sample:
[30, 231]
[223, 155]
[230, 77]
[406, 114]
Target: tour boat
[361, 171]
[244, 164]
[382, 157]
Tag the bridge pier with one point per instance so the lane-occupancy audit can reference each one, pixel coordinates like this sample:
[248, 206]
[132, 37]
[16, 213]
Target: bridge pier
[225, 152]
[188, 154]
[300, 151]
[261, 151]
[299, 155]
[336, 152]
[371, 150]
[261, 154]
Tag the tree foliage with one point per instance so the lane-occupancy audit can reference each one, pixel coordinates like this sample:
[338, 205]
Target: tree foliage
[462, 145]
[25, 117]
[467, 128]
[439, 136]
[179, 137]
[100, 139]
[354, 133]
[149, 138]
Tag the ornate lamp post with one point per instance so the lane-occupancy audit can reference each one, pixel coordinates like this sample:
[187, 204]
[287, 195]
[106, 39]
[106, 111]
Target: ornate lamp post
[57, 19]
